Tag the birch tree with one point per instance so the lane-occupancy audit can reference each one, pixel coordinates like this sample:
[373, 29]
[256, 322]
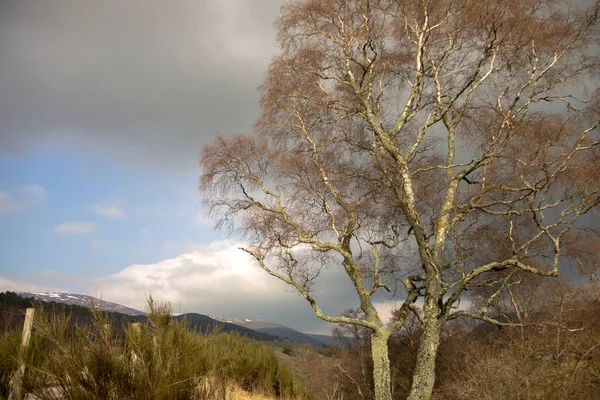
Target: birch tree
[418, 145]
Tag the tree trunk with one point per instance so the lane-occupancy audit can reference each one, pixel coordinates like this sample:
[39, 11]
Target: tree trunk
[423, 377]
[381, 366]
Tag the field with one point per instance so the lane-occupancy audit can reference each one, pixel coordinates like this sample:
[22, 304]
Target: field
[160, 359]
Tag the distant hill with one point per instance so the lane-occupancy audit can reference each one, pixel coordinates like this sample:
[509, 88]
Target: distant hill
[291, 334]
[255, 324]
[81, 300]
[204, 323]
[13, 305]
[282, 331]
[77, 305]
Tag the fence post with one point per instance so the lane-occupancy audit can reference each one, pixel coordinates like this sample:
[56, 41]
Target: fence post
[16, 384]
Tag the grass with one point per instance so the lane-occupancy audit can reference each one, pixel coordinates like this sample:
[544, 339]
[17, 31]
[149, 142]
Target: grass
[158, 359]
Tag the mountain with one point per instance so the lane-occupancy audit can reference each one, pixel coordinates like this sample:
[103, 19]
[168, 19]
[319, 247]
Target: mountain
[281, 331]
[204, 323]
[291, 334]
[252, 328]
[255, 324]
[81, 300]
[198, 322]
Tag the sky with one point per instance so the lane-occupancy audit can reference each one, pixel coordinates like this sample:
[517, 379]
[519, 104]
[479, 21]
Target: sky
[104, 107]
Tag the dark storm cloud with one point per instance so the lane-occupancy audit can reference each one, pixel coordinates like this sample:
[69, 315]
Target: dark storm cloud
[141, 80]
[148, 82]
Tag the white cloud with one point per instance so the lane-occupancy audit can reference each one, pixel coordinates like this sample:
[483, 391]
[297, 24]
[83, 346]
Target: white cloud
[17, 285]
[25, 195]
[214, 279]
[212, 272]
[7, 203]
[75, 228]
[35, 192]
[109, 211]
[219, 279]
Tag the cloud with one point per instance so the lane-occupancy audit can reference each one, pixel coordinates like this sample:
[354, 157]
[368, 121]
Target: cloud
[152, 91]
[7, 203]
[75, 228]
[24, 196]
[19, 285]
[109, 211]
[213, 272]
[34, 192]
[219, 279]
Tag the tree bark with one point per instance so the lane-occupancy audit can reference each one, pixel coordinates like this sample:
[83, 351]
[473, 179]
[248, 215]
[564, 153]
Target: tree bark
[424, 372]
[381, 365]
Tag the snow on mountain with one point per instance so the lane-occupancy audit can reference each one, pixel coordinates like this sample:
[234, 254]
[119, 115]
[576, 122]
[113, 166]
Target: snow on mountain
[81, 300]
[272, 328]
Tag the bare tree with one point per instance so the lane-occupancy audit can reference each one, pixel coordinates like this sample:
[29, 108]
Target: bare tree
[425, 145]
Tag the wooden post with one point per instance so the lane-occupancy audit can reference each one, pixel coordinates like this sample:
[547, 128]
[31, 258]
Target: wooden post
[136, 326]
[16, 384]
[136, 329]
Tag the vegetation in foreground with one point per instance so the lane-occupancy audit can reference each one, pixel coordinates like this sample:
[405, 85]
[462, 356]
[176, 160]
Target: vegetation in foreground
[159, 359]
[551, 352]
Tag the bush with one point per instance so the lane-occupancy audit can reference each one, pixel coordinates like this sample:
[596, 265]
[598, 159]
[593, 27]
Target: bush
[9, 353]
[287, 351]
[157, 359]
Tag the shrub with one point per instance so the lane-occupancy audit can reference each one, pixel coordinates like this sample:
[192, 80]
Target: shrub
[9, 353]
[158, 359]
[287, 351]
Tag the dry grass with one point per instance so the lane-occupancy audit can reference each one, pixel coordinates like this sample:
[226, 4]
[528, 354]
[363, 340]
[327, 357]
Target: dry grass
[156, 360]
[229, 391]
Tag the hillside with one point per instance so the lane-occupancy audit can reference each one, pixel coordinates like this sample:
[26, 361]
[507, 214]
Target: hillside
[12, 306]
[204, 323]
[281, 331]
[77, 305]
[81, 300]
[291, 334]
